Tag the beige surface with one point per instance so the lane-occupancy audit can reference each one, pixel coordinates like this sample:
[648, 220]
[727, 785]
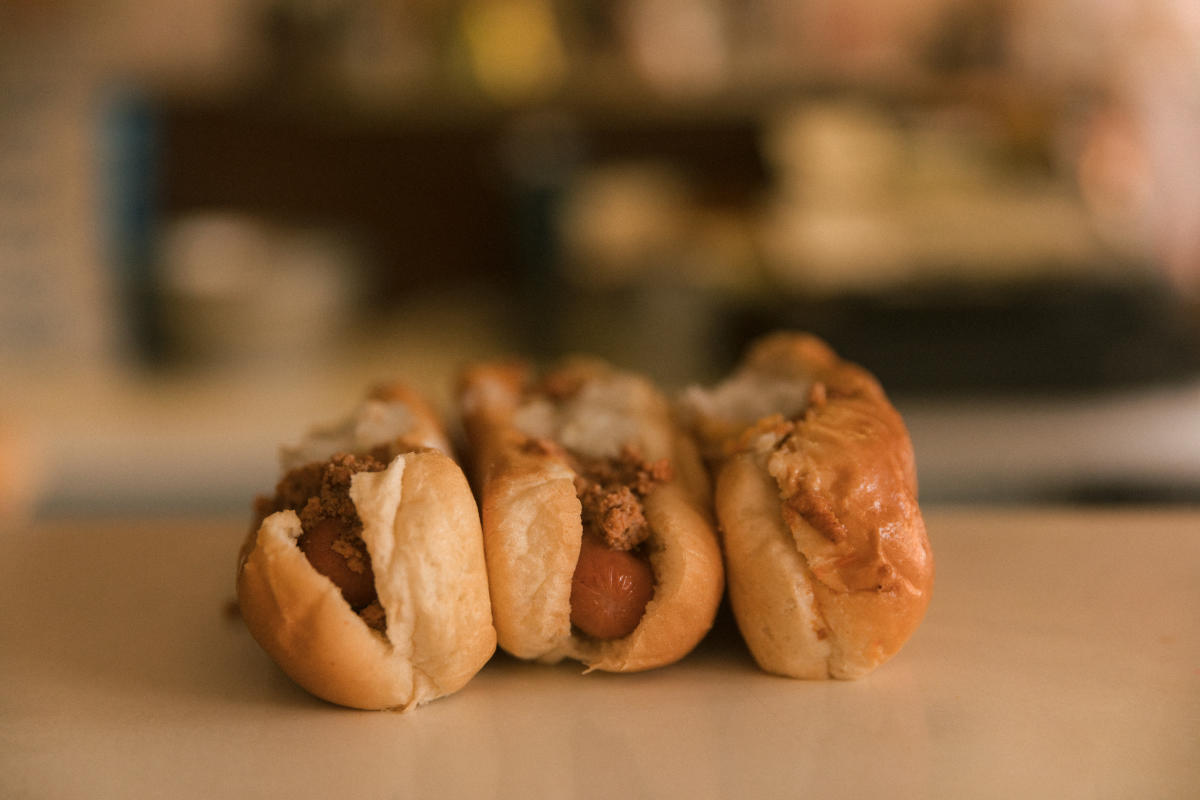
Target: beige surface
[1060, 658]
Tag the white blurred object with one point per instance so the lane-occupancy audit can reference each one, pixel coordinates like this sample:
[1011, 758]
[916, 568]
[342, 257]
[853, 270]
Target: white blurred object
[241, 291]
[830, 224]
[640, 223]
[1113, 168]
[1167, 102]
[1139, 157]
[864, 204]
[622, 220]
[821, 251]
[844, 154]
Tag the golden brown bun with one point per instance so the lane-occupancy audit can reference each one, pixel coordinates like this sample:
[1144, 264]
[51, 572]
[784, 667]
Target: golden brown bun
[422, 532]
[532, 516]
[829, 567]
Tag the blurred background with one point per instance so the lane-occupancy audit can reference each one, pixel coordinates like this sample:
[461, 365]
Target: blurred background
[219, 221]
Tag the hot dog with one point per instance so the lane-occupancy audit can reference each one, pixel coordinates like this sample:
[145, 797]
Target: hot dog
[363, 576]
[829, 566]
[596, 519]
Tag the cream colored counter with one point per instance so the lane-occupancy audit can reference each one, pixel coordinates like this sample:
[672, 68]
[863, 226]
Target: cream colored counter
[1060, 659]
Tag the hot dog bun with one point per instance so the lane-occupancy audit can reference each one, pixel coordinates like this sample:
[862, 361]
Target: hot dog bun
[525, 442]
[829, 566]
[420, 527]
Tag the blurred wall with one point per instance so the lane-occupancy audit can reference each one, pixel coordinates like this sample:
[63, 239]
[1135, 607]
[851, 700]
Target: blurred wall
[259, 204]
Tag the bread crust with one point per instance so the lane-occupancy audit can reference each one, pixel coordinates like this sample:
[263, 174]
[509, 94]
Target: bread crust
[829, 566]
[532, 521]
[420, 525]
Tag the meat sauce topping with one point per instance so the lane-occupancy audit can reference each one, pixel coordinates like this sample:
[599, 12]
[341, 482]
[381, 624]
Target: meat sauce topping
[613, 581]
[331, 535]
[611, 493]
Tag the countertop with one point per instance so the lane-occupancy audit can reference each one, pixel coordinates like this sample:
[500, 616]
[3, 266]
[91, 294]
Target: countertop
[1060, 658]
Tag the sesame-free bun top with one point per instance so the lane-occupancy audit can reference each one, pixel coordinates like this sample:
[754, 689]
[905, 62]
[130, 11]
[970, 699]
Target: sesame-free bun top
[827, 559]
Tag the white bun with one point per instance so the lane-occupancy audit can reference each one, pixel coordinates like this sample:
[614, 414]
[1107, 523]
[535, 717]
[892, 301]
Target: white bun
[421, 529]
[532, 516]
[829, 566]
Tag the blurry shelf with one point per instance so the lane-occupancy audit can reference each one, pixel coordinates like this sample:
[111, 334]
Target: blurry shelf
[206, 441]
[1043, 336]
[606, 86]
[432, 202]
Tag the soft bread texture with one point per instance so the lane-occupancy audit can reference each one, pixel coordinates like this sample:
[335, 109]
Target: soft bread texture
[829, 566]
[532, 516]
[421, 529]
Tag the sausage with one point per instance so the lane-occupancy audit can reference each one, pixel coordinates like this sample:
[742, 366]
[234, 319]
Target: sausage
[319, 492]
[609, 590]
[334, 552]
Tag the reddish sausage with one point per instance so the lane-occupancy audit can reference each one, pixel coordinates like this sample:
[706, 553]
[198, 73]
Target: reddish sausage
[610, 590]
[327, 544]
